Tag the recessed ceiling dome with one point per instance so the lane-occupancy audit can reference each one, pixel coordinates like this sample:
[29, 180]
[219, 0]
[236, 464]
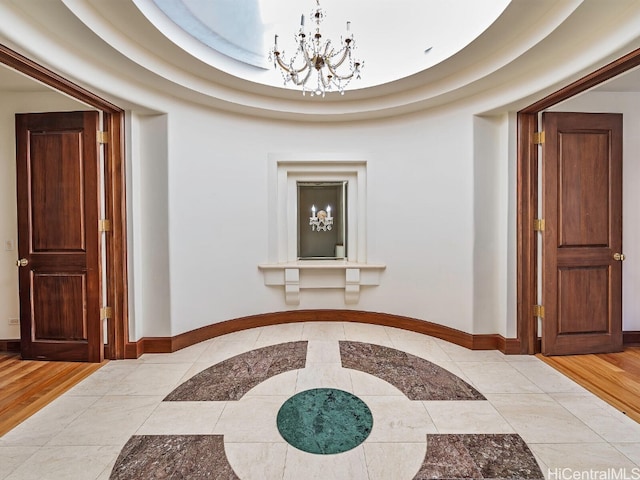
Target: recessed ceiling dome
[395, 39]
[418, 54]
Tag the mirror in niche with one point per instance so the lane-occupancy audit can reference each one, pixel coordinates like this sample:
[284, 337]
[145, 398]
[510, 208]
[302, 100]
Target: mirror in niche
[322, 220]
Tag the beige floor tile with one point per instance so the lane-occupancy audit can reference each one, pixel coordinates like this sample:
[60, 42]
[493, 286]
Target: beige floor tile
[324, 375]
[100, 382]
[631, 450]
[461, 354]
[398, 419]
[283, 384]
[65, 463]
[611, 424]
[247, 337]
[193, 370]
[12, 457]
[106, 473]
[366, 384]
[467, 417]
[257, 461]
[109, 421]
[426, 348]
[497, 377]
[251, 420]
[538, 418]
[323, 331]
[360, 332]
[398, 461]
[349, 465]
[546, 378]
[566, 460]
[322, 351]
[151, 379]
[182, 418]
[399, 334]
[45, 424]
[222, 348]
[275, 334]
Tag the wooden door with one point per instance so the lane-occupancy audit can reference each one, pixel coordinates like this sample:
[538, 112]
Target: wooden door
[582, 208]
[58, 242]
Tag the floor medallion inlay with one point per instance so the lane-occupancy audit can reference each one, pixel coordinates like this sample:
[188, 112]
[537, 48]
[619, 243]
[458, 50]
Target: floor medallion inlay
[178, 457]
[232, 378]
[324, 421]
[416, 377]
[478, 456]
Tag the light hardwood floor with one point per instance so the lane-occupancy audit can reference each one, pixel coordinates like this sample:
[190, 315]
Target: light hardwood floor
[614, 377]
[27, 386]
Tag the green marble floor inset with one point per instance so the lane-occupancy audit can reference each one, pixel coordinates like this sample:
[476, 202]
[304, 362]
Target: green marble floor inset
[324, 421]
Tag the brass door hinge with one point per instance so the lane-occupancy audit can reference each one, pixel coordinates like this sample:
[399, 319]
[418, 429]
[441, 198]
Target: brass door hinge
[538, 225]
[104, 225]
[103, 137]
[538, 311]
[538, 138]
[106, 312]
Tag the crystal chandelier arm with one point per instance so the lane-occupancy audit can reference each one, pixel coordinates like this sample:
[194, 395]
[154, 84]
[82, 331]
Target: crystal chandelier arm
[290, 69]
[345, 55]
[340, 77]
[296, 80]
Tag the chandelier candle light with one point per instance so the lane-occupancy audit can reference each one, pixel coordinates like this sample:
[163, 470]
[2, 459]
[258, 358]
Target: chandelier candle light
[321, 222]
[315, 55]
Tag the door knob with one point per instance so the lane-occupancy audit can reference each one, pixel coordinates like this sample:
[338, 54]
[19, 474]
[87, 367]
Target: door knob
[23, 262]
[619, 257]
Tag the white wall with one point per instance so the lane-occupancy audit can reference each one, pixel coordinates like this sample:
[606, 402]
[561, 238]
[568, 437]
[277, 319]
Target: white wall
[441, 213]
[420, 175]
[629, 105]
[148, 227]
[492, 255]
[10, 104]
[198, 222]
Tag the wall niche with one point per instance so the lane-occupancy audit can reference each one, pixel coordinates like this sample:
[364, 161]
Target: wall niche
[303, 195]
[322, 220]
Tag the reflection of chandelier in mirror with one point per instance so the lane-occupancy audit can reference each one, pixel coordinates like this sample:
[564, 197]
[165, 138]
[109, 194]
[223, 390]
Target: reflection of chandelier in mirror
[323, 221]
[333, 68]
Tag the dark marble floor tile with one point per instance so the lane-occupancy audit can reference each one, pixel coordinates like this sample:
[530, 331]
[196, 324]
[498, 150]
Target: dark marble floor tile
[175, 457]
[416, 377]
[232, 378]
[324, 421]
[478, 456]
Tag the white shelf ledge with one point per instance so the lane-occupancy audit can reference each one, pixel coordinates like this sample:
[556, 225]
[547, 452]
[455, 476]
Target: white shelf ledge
[316, 274]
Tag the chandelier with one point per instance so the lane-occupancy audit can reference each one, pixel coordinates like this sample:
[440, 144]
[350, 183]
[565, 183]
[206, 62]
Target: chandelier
[317, 61]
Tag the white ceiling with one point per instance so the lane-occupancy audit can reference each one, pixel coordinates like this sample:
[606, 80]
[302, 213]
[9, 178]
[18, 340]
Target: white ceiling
[394, 39]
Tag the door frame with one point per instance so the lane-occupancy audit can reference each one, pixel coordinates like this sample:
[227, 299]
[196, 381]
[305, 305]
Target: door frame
[527, 193]
[115, 201]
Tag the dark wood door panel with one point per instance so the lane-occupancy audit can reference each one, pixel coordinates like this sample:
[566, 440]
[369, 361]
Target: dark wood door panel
[583, 166]
[58, 206]
[582, 207]
[67, 321]
[56, 176]
[583, 305]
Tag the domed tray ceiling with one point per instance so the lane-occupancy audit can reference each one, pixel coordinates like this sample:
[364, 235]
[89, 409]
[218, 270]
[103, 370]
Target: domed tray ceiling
[395, 39]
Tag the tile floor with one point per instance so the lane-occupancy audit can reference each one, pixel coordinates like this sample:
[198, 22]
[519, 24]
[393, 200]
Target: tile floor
[571, 433]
